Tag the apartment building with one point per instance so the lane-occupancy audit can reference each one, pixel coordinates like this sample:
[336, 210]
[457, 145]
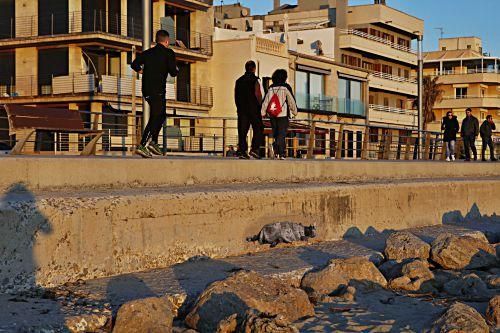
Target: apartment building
[372, 38]
[76, 54]
[470, 78]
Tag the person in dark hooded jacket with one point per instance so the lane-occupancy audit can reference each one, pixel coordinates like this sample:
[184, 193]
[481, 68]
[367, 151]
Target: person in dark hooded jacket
[470, 131]
[486, 132]
[450, 126]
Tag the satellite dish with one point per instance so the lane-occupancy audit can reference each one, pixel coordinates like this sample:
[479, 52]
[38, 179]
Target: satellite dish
[244, 12]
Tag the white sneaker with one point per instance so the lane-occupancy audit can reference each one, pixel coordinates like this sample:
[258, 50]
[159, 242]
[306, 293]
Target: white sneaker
[453, 157]
[448, 159]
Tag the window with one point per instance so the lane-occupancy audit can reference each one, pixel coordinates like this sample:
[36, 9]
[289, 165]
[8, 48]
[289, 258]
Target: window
[52, 17]
[373, 134]
[7, 16]
[7, 72]
[350, 97]
[310, 91]
[461, 93]
[351, 61]
[386, 101]
[371, 99]
[387, 69]
[401, 104]
[51, 62]
[469, 47]
[443, 48]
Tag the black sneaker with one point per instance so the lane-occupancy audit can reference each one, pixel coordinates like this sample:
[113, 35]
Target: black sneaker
[483, 159]
[244, 156]
[493, 159]
[255, 155]
[155, 149]
[467, 160]
[143, 152]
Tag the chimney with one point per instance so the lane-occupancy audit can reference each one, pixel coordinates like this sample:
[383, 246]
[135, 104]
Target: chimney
[277, 4]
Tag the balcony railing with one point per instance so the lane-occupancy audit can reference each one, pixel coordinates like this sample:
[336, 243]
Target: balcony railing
[90, 84]
[378, 39]
[383, 108]
[330, 104]
[469, 71]
[100, 22]
[394, 78]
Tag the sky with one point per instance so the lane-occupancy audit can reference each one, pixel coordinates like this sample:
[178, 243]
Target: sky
[479, 18]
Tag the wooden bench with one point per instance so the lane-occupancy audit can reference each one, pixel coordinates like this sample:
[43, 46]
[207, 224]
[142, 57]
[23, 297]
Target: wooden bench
[35, 119]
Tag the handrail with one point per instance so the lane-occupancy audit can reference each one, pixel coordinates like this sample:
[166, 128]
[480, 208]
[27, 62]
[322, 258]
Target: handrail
[468, 71]
[377, 39]
[391, 109]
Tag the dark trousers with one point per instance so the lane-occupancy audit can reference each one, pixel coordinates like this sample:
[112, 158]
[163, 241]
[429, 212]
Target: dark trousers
[245, 120]
[488, 142]
[470, 143]
[280, 129]
[157, 116]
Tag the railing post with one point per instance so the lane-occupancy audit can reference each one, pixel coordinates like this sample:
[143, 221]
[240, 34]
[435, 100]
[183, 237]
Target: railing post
[366, 143]
[224, 133]
[387, 145]
[95, 19]
[52, 24]
[427, 146]
[340, 142]
[12, 27]
[312, 140]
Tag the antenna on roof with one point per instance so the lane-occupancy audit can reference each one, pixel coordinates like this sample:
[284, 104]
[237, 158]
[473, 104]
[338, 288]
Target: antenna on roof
[441, 30]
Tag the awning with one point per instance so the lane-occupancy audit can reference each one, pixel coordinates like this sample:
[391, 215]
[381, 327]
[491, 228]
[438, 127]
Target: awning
[351, 77]
[313, 69]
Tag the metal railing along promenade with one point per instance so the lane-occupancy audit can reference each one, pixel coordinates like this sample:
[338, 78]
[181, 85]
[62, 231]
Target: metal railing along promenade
[217, 136]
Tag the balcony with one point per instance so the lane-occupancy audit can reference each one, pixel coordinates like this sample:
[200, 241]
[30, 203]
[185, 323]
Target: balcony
[463, 102]
[354, 39]
[107, 88]
[480, 75]
[110, 28]
[322, 104]
[390, 115]
[267, 46]
[393, 83]
[385, 15]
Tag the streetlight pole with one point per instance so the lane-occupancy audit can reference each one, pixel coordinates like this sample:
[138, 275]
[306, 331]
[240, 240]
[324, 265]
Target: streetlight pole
[420, 95]
[146, 44]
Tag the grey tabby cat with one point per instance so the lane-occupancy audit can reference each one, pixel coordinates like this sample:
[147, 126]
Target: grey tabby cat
[283, 232]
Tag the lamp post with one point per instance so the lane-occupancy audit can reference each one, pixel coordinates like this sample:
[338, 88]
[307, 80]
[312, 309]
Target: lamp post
[146, 44]
[420, 38]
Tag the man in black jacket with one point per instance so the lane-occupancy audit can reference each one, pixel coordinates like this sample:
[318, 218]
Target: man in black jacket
[486, 132]
[248, 99]
[155, 65]
[470, 131]
[450, 127]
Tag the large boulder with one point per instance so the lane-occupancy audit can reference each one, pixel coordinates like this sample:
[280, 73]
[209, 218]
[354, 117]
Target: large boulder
[88, 323]
[413, 275]
[452, 252]
[244, 291]
[470, 287]
[340, 273]
[149, 315]
[403, 245]
[493, 312]
[460, 318]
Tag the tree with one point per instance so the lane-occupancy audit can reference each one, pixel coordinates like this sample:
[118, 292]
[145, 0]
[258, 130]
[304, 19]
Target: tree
[432, 94]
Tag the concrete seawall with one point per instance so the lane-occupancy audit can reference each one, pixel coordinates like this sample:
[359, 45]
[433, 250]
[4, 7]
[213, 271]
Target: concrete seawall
[51, 238]
[46, 173]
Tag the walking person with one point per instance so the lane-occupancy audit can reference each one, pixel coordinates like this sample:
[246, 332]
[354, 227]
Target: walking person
[470, 131]
[280, 106]
[486, 132]
[155, 65]
[450, 127]
[248, 99]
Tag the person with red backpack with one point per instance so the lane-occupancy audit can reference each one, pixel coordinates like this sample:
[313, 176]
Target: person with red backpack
[279, 105]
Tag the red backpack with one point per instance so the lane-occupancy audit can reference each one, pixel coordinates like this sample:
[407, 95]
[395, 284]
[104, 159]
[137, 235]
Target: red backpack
[274, 107]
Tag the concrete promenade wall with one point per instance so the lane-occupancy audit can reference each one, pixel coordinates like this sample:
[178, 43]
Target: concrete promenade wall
[50, 238]
[40, 173]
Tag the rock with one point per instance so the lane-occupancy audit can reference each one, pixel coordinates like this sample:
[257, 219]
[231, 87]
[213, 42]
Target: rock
[176, 302]
[264, 323]
[89, 323]
[228, 325]
[341, 272]
[403, 245]
[452, 252]
[145, 315]
[493, 281]
[245, 291]
[410, 275]
[469, 286]
[460, 318]
[390, 269]
[477, 235]
[493, 312]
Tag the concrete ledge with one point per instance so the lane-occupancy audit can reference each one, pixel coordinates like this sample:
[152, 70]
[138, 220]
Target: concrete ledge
[53, 238]
[49, 173]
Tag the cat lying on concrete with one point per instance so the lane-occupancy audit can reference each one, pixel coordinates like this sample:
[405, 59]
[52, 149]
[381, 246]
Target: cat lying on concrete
[283, 232]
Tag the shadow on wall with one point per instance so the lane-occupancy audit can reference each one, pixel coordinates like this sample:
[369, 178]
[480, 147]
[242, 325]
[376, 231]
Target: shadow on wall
[20, 225]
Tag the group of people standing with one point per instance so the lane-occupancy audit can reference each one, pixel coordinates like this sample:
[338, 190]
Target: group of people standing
[469, 131]
[252, 105]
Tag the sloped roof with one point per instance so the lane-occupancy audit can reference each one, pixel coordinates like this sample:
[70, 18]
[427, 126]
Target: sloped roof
[451, 54]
